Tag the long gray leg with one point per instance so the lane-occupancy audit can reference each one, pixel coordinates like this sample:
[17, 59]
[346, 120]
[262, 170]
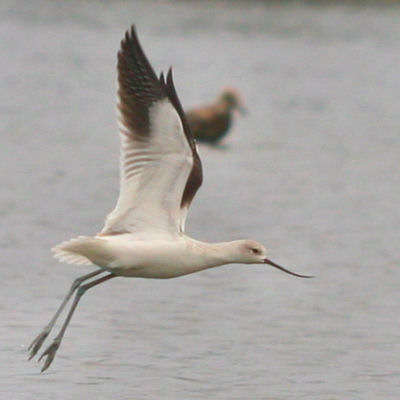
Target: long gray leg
[38, 341]
[50, 352]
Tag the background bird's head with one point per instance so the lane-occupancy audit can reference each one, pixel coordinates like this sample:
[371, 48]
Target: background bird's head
[232, 100]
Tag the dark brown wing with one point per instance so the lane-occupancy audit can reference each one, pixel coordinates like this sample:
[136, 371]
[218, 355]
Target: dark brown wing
[138, 86]
[196, 175]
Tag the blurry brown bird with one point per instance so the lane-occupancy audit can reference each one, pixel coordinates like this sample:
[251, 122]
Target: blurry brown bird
[211, 123]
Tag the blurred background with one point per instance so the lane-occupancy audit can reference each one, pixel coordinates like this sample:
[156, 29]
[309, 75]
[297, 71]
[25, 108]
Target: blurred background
[312, 171]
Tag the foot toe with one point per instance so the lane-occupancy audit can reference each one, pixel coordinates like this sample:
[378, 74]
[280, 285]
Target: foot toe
[37, 344]
[49, 353]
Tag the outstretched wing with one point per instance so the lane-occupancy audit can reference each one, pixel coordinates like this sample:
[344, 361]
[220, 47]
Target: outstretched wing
[160, 170]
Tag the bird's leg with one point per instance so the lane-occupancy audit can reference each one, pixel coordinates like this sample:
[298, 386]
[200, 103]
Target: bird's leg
[50, 352]
[38, 341]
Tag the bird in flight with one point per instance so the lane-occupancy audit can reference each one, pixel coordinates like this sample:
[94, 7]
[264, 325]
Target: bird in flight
[160, 173]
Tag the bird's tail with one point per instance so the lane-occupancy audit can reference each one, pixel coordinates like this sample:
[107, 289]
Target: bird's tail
[71, 251]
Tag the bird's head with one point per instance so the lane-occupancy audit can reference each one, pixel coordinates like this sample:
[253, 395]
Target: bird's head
[252, 252]
[232, 100]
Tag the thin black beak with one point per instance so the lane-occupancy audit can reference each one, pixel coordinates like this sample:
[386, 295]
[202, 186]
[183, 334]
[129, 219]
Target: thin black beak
[266, 261]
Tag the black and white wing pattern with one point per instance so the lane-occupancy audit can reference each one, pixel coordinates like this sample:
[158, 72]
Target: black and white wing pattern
[160, 170]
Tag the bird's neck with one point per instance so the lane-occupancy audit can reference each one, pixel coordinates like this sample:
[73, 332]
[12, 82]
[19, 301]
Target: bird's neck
[224, 106]
[213, 254]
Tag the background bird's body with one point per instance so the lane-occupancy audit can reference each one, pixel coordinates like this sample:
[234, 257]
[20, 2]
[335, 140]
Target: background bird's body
[211, 123]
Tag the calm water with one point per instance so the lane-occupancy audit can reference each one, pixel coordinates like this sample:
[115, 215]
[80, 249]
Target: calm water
[312, 172]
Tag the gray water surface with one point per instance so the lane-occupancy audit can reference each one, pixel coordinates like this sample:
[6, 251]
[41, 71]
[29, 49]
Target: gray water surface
[312, 171]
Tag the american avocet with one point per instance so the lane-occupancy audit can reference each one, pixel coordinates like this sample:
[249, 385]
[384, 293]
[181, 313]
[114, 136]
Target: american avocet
[160, 172]
[210, 123]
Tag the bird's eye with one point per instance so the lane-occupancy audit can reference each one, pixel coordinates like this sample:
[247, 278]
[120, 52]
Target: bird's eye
[254, 251]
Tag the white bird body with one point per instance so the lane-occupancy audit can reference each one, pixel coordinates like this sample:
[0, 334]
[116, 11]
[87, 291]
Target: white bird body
[160, 173]
[124, 255]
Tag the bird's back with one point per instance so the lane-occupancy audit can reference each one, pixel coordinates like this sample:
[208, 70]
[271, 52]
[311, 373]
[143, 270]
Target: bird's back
[210, 123]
